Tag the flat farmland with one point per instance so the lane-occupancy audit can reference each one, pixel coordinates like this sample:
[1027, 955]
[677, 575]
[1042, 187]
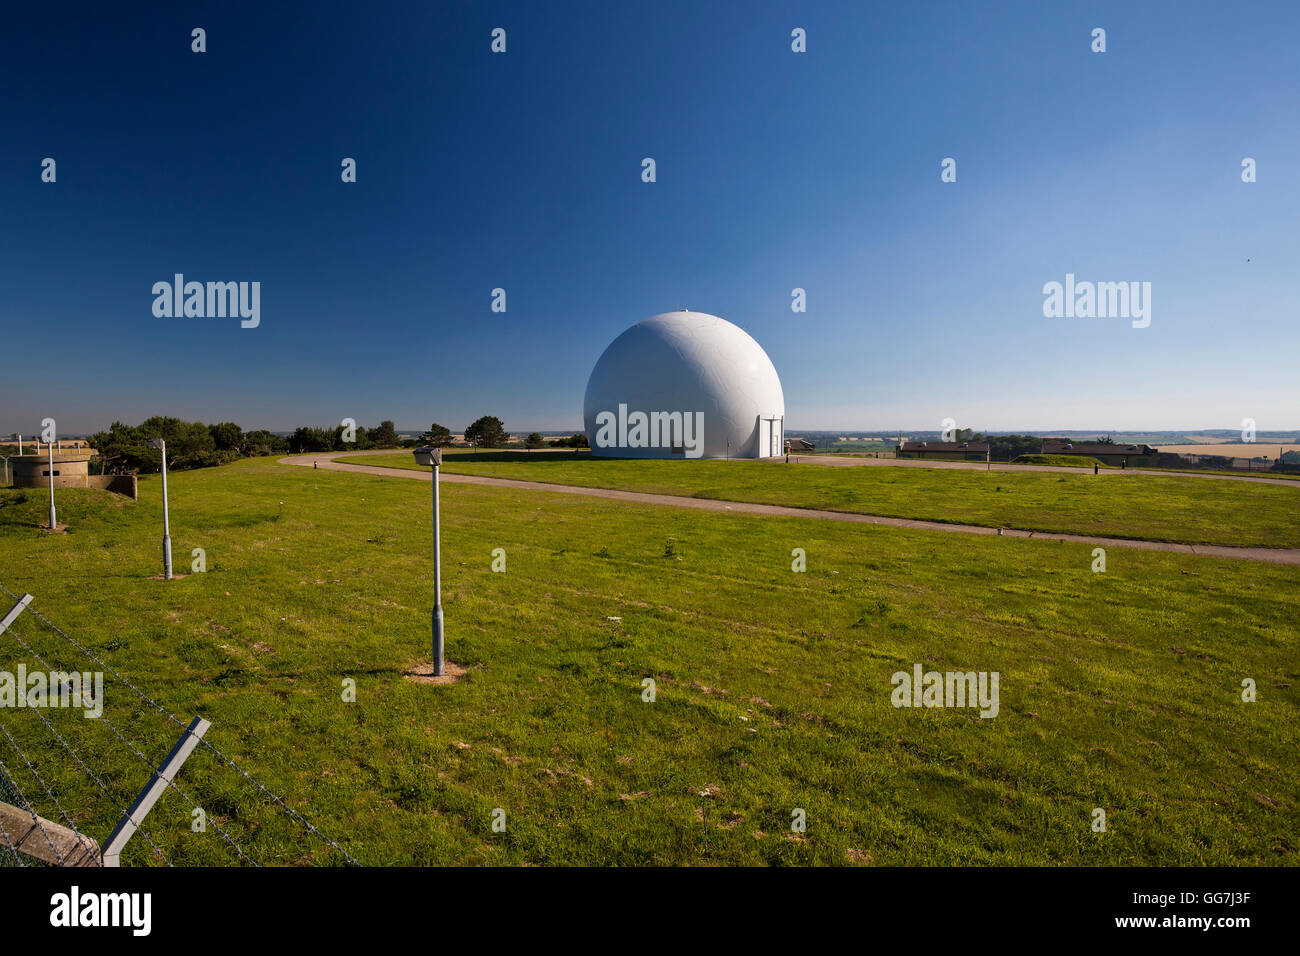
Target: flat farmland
[1232, 450]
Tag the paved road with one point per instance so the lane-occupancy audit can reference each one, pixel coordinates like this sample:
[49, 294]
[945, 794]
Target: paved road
[1271, 555]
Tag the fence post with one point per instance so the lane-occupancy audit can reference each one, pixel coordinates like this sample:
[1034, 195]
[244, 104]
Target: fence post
[44, 840]
[153, 790]
[14, 611]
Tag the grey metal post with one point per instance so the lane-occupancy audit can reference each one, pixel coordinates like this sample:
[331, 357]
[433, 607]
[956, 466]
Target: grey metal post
[438, 666]
[14, 611]
[430, 455]
[163, 776]
[161, 445]
[53, 523]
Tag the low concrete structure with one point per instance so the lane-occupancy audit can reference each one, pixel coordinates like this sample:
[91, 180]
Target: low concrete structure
[71, 469]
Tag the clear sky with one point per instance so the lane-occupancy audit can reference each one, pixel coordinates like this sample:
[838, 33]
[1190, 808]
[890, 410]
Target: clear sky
[775, 170]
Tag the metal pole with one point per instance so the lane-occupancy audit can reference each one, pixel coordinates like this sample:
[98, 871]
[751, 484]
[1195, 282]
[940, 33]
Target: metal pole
[53, 523]
[438, 666]
[167, 531]
[158, 783]
[14, 611]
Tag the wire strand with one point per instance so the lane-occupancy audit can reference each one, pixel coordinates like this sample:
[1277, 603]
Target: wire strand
[28, 807]
[85, 841]
[147, 762]
[9, 844]
[174, 719]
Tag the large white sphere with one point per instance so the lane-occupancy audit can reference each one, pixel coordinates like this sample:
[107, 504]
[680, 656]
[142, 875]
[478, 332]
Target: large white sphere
[693, 364]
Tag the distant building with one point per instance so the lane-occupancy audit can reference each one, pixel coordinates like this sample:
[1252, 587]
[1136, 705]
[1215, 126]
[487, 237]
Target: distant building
[1108, 453]
[946, 450]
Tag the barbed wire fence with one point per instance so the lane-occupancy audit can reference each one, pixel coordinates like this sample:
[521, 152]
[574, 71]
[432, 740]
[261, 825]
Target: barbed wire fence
[37, 827]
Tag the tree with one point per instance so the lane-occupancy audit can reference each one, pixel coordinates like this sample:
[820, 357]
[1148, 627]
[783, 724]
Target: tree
[534, 440]
[438, 435]
[189, 444]
[121, 446]
[311, 439]
[383, 435]
[228, 436]
[125, 448]
[487, 432]
[262, 442]
[360, 439]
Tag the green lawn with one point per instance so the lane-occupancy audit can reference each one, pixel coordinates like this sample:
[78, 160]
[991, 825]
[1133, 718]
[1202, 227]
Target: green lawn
[1155, 507]
[1118, 690]
[1060, 461]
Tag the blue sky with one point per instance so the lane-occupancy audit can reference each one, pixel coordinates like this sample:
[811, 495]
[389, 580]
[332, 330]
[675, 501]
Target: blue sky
[775, 170]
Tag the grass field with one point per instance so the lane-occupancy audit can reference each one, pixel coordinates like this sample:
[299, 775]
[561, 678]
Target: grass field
[1119, 690]
[1183, 509]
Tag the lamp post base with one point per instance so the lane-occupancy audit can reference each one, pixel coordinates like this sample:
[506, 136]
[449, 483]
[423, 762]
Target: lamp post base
[439, 666]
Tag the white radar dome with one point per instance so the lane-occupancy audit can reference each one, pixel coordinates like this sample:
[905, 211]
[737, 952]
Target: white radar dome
[684, 385]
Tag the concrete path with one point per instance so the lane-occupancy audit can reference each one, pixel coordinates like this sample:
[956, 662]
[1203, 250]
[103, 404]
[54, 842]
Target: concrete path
[1272, 555]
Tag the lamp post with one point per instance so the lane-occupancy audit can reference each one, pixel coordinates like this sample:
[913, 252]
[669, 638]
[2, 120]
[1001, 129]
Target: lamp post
[53, 523]
[429, 455]
[161, 445]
